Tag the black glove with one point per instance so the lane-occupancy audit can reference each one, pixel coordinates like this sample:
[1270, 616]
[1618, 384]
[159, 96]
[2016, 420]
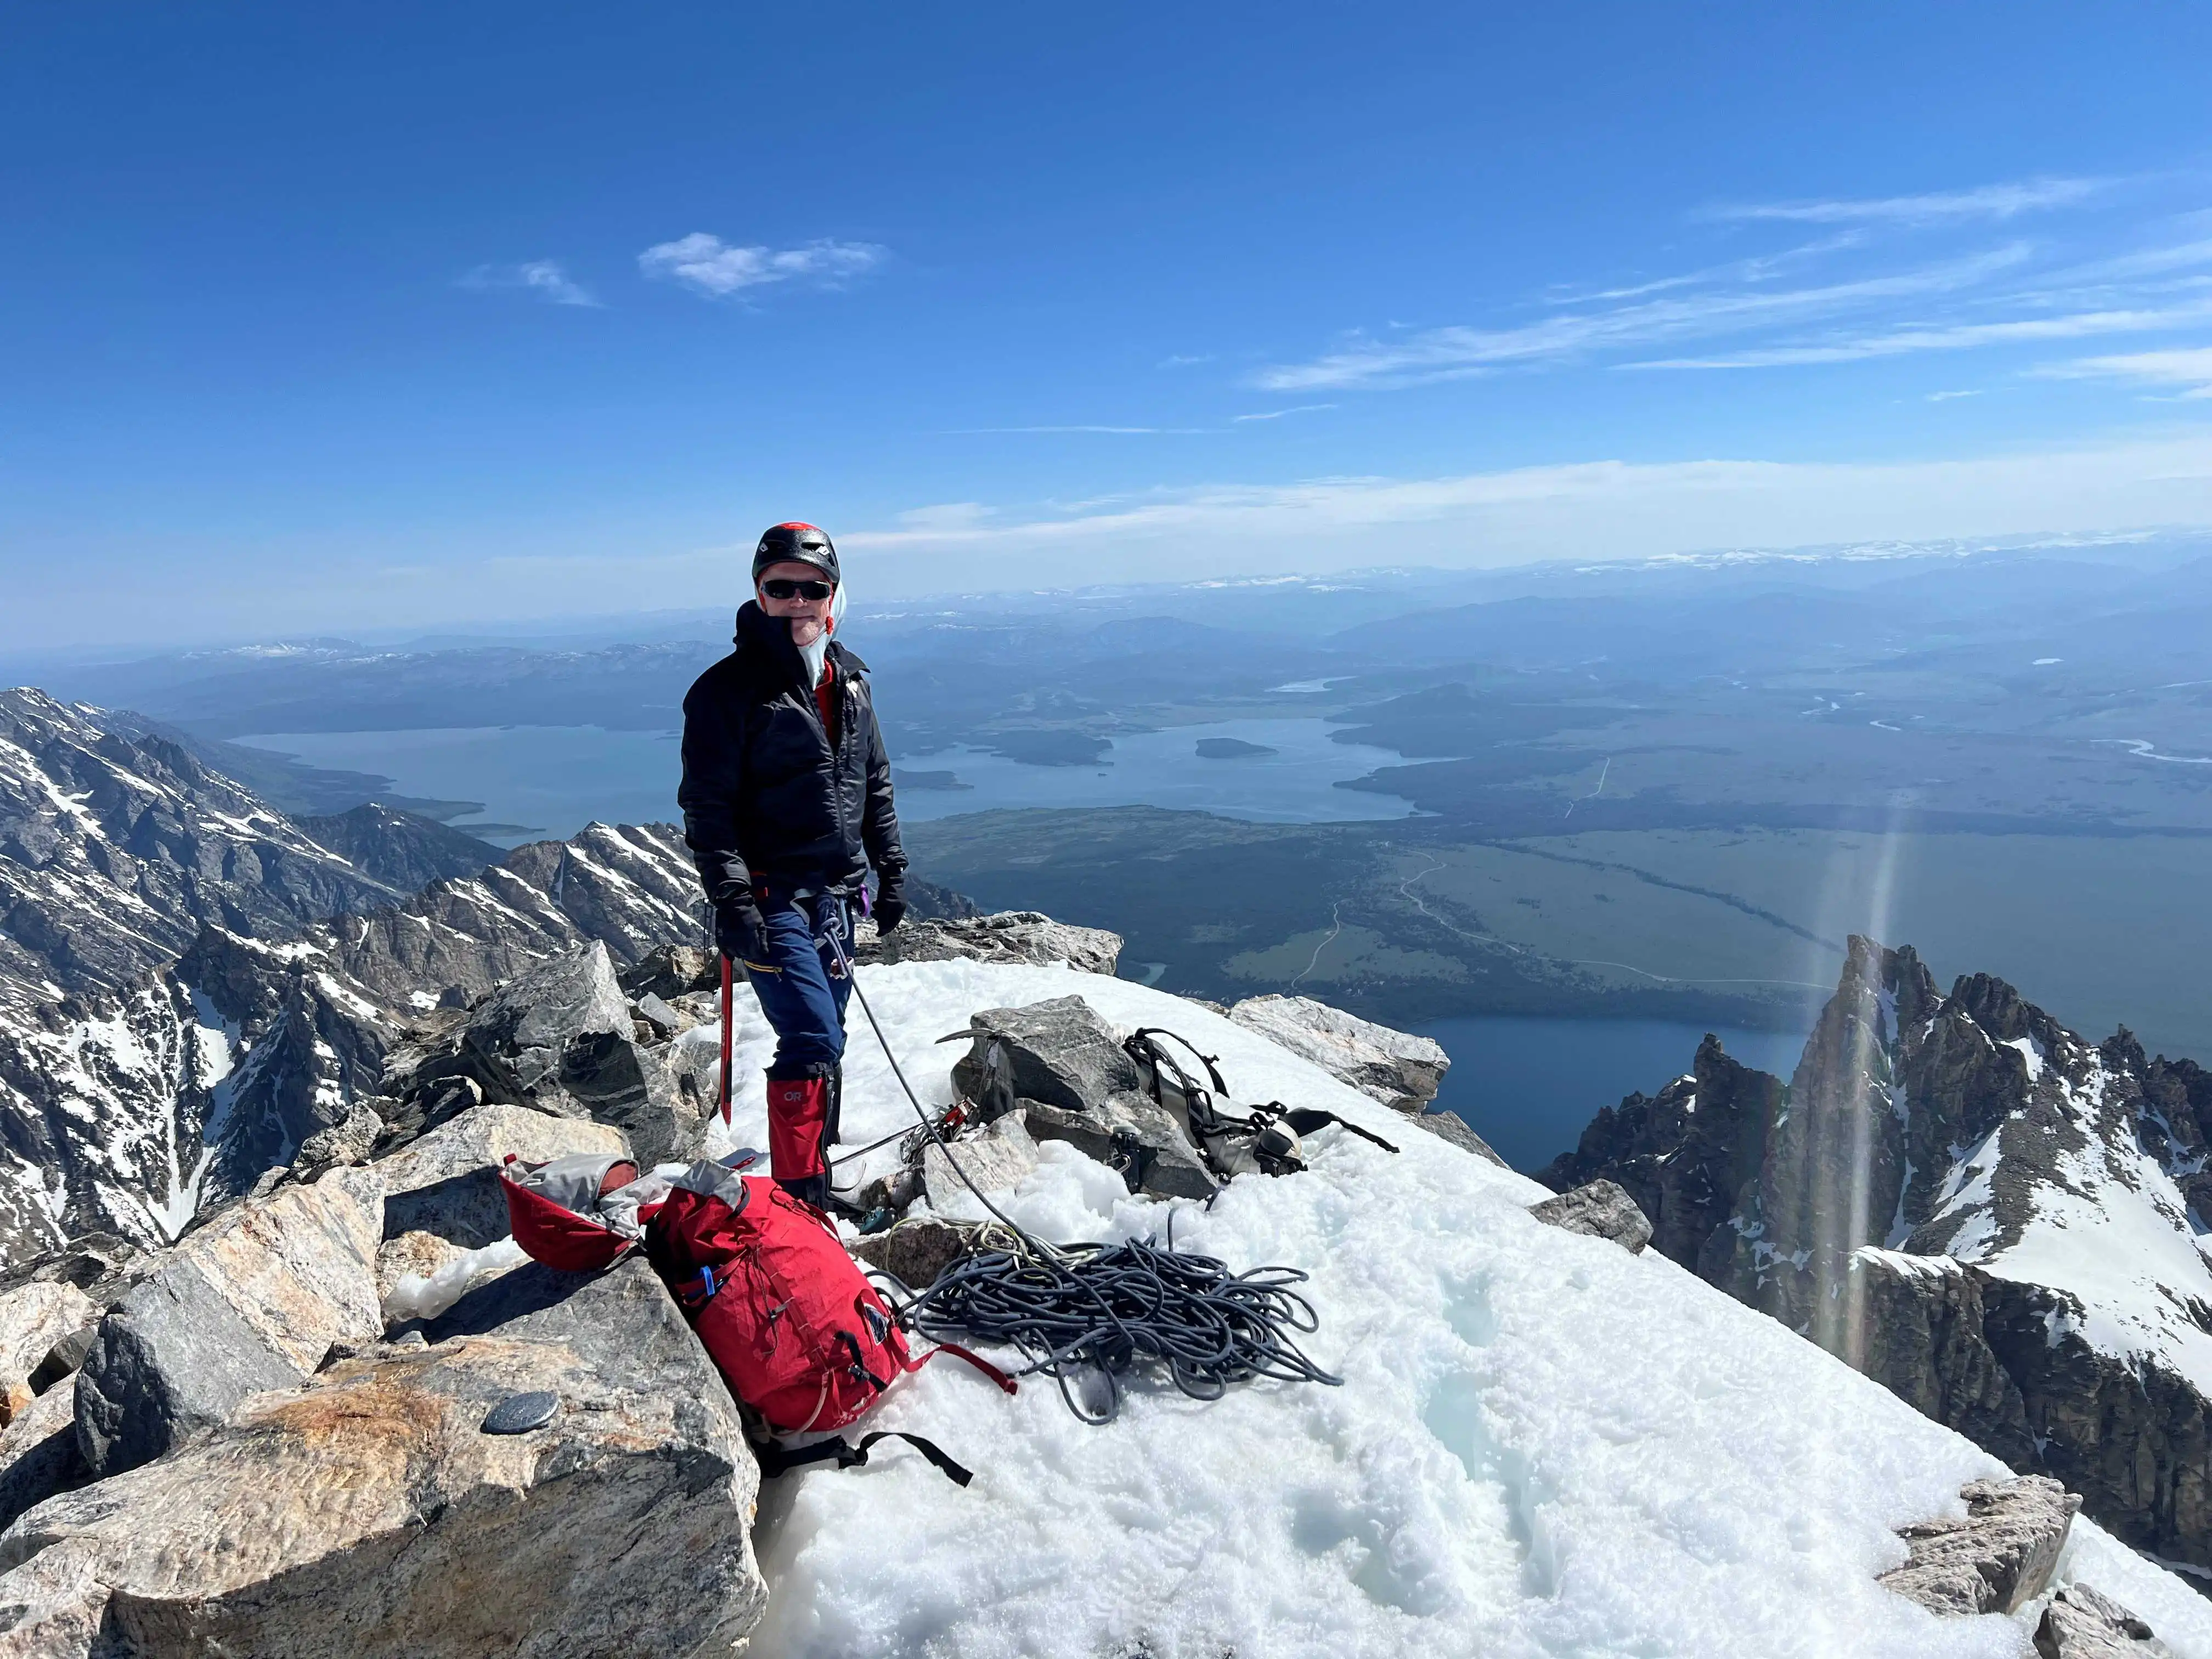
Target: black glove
[890, 908]
[740, 933]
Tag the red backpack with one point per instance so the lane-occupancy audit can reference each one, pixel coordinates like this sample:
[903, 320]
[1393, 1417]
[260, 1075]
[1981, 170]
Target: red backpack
[784, 1313]
[789, 1320]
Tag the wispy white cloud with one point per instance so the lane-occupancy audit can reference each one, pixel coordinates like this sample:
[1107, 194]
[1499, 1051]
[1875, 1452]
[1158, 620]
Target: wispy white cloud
[1767, 310]
[1457, 353]
[1950, 397]
[1625, 509]
[2189, 367]
[2001, 201]
[946, 516]
[543, 278]
[709, 265]
[1179, 360]
[1762, 268]
[1953, 337]
[2142, 262]
[1278, 414]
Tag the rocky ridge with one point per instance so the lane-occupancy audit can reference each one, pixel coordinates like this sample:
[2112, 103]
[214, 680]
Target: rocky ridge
[192, 986]
[284, 1432]
[1993, 1216]
[182, 1089]
[116, 851]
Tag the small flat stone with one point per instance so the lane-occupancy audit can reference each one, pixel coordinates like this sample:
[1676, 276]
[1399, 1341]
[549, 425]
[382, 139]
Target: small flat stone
[518, 1413]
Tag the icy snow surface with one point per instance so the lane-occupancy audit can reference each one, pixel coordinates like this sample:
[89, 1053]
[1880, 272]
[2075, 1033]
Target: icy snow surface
[425, 1296]
[1543, 1446]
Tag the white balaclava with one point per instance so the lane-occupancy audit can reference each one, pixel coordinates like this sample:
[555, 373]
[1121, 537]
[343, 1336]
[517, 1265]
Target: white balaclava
[815, 654]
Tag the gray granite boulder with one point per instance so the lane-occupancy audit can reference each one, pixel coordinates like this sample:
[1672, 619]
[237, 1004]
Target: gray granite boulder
[1602, 1209]
[34, 1317]
[917, 1249]
[252, 1300]
[1451, 1126]
[349, 1141]
[2081, 1624]
[1131, 1135]
[1025, 936]
[1996, 1559]
[365, 1514]
[1400, 1070]
[447, 1182]
[516, 1038]
[671, 971]
[662, 1020]
[38, 1454]
[997, 1159]
[1058, 1052]
[896, 1191]
[618, 1081]
[96, 1263]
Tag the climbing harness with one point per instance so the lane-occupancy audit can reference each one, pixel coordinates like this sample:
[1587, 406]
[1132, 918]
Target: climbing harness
[1265, 1139]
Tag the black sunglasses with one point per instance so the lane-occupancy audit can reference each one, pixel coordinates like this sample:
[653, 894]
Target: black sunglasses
[781, 589]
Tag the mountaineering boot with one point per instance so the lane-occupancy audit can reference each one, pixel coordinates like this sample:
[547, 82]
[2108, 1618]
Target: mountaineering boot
[799, 1121]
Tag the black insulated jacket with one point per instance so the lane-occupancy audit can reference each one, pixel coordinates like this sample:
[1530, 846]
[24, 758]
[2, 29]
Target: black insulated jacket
[767, 800]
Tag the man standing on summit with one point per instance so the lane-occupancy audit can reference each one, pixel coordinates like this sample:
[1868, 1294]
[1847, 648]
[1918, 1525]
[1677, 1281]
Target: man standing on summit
[786, 799]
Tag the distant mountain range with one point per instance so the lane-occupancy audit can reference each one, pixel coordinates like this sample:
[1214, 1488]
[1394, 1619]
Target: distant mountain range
[2072, 634]
[1998, 1219]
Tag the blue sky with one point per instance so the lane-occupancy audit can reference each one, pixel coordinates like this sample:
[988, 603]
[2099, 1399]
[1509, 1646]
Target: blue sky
[320, 318]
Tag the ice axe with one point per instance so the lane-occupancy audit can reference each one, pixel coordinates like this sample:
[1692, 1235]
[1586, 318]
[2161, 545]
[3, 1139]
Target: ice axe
[727, 978]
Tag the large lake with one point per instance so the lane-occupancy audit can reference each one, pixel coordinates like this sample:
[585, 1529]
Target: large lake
[554, 779]
[1529, 1087]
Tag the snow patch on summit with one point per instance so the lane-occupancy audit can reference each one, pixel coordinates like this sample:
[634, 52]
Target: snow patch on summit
[1544, 1447]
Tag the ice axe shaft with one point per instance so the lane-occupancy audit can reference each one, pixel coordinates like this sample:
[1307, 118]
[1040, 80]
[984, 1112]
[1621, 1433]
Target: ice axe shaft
[728, 977]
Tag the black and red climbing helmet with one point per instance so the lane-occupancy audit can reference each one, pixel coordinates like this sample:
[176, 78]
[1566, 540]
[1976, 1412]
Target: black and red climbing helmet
[795, 543]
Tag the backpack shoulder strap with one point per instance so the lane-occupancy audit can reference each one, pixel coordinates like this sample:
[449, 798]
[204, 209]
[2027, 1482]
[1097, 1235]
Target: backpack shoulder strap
[1146, 1038]
[778, 1459]
[980, 1363]
[1304, 1120]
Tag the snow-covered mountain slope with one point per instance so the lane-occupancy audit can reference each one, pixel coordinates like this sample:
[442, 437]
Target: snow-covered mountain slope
[633, 888]
[402, 851]
[191, 984]
[1994, 1216]
[115, 851]
[1542, 1446]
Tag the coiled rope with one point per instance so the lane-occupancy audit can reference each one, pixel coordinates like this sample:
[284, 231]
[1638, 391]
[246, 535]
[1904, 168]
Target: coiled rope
[1106, 1308]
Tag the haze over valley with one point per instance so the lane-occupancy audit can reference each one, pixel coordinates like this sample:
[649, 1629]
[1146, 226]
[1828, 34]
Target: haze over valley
[1617, 794]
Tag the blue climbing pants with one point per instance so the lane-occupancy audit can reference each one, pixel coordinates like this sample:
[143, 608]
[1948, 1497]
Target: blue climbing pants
[803, 988]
